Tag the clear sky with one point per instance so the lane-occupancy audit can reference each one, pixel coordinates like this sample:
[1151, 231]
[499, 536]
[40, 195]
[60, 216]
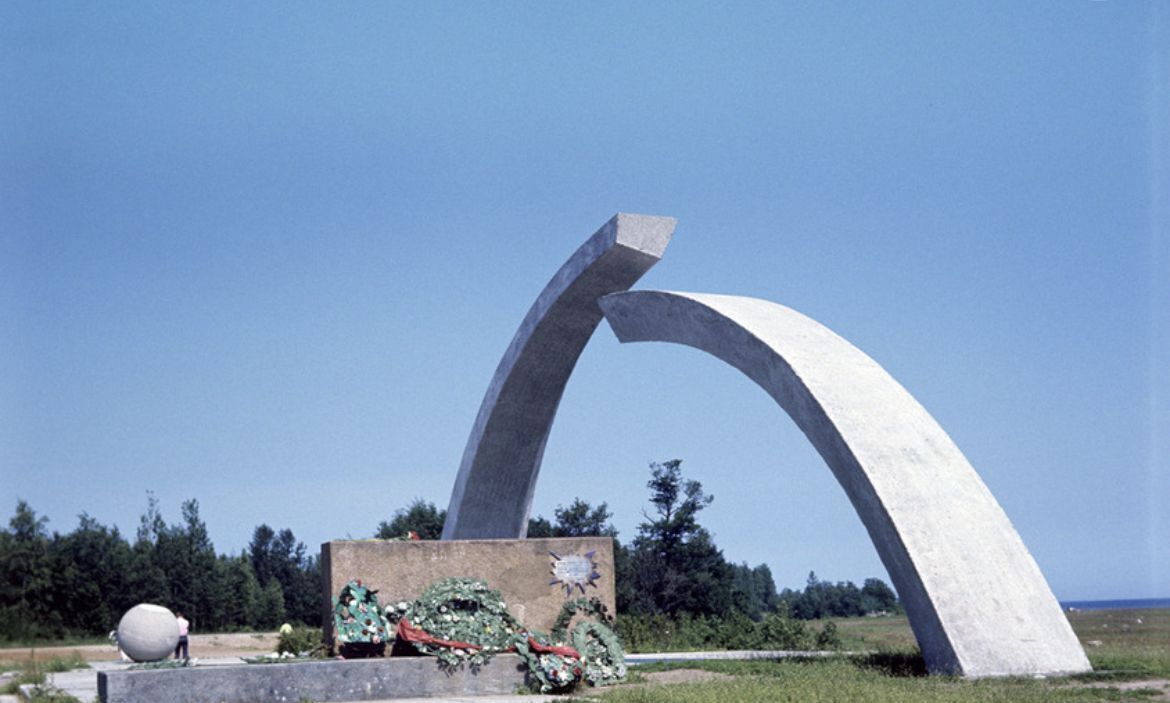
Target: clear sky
[268, 256]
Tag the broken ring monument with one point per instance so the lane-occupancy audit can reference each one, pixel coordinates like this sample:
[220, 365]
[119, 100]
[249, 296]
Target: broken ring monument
[976, 599]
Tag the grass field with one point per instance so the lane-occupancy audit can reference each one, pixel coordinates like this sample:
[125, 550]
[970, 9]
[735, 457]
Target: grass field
[1125, 643]
[1129, 650]
[886, 633]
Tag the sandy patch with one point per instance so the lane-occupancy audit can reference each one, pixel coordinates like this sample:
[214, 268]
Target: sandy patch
[239, 644]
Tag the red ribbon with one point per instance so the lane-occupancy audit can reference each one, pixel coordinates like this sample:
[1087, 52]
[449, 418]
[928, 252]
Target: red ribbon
[565, 651]
[410, 633]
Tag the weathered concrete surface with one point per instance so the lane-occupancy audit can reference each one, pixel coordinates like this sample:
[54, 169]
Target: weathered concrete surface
[518, 568]
[148, 632]
[976, 599]
[493, 490]
[325, 680]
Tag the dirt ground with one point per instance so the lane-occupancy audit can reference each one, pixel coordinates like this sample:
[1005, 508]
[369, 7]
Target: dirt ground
[244, 644]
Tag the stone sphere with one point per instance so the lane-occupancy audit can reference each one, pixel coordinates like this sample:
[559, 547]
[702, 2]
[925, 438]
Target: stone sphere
[148, 633]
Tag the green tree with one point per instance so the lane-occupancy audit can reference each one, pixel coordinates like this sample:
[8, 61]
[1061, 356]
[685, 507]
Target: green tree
[765, 587]
[242, 605]
[677, 567]
[810, 605]
[421, 517]
[271, 612]
[281, 557]
[624, 579]
[539, 527]
[146, 580]
[260, 553]
[821, 599]
[877, 597]
[580, 519]
[91, 567]
[26, 610]
[745, 596]
[308, 600]
[583, 520]
[187, 557]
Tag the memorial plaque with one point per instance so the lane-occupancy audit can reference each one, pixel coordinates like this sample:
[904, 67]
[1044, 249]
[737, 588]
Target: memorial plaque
[574, 571]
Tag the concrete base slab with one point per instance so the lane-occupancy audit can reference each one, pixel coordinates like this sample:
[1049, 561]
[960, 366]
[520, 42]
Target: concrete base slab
[78, 683]
[328, 680]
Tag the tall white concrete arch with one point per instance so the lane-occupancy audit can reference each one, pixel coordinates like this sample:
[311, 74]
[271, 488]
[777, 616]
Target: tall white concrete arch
[974, 595]
[493, 490]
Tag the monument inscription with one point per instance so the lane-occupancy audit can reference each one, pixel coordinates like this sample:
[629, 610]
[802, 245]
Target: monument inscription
[574, 571]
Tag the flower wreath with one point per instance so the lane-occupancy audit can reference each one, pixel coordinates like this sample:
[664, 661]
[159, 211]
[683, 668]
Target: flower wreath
[458, 620]
[602, 656]
[589, 607]
[555, 668]
[463, 621]
[357, 617]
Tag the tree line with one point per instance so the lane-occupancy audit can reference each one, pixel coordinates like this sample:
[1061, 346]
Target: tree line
[81, 582]
[673, 566]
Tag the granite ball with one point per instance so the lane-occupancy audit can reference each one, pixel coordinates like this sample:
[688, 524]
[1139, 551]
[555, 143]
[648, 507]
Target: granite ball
[148, 633]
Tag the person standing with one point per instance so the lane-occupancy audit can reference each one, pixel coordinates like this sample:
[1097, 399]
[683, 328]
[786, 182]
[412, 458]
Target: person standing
[184, 628]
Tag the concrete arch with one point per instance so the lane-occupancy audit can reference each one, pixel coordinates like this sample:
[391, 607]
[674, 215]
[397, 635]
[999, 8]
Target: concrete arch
[976, 599]
[493, 491]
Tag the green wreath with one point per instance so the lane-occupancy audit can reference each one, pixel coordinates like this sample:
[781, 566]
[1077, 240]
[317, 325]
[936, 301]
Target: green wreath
[602, 661]
[554, 672]
[603, 658]
[589, 607]
[459, 620]
[357, 617]
[463, 621]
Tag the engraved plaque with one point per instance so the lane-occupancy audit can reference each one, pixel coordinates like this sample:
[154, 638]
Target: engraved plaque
[574, 571]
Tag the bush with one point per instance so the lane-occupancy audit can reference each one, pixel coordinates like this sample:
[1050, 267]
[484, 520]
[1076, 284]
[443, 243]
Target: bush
[300, 640]
[659, 633]
[736, 631]
[782, 632]
[828, 638]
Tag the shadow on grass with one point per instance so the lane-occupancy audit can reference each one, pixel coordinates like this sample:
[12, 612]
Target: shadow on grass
[896, 664]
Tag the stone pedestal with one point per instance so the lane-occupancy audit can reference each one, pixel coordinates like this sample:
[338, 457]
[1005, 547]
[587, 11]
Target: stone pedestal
[330, 680]
[535, 576]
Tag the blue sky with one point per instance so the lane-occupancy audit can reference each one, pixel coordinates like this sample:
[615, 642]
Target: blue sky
[268, 256]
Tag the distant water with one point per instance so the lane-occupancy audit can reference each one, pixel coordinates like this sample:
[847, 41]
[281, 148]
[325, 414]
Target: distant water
[1132, 603]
